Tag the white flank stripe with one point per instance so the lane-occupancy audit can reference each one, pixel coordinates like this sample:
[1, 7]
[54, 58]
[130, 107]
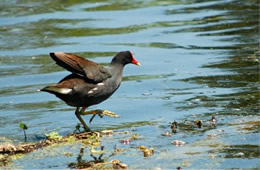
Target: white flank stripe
[100, 84]
[90, 92]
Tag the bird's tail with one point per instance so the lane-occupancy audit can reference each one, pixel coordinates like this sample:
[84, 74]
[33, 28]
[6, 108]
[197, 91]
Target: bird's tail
[54, 89]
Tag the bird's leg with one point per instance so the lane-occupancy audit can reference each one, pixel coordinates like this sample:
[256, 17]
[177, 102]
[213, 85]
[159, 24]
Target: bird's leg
[78, 113]
[100, 113]
[83, 109]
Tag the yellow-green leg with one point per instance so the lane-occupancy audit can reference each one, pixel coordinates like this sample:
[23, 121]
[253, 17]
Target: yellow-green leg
[98, 112]
[78, 113]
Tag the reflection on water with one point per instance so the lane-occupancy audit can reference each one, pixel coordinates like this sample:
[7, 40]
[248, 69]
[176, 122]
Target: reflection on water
[199, 58]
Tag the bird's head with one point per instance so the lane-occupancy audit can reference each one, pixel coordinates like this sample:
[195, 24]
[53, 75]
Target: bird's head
[125, 57]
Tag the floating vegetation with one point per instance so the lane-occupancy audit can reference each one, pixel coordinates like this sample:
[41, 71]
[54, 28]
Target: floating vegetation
[166, 134]
[132, 138]
[212, 135]
[7, 150]
[178, 142]
[89, 140]
[107, 132]
[198, 123]
[147, 152]
[174, 126]
[213, 120]
[118, 165]
[53, 136]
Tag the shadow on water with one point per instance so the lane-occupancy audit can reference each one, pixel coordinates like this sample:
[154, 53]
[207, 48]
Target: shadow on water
[199, 59]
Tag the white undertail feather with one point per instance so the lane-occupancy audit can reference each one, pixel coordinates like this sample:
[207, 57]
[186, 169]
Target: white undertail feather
[59, 90]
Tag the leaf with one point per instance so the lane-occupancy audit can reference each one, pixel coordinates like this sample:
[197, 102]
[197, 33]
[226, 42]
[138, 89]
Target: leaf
[23, 126]
[53, 135]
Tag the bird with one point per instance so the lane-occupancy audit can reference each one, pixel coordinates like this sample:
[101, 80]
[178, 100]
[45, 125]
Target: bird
[89, 83]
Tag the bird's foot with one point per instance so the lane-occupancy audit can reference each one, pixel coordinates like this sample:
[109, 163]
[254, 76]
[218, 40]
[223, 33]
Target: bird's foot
[100, 113]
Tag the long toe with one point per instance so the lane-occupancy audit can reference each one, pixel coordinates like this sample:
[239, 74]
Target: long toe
[110, 114]
[91, 119]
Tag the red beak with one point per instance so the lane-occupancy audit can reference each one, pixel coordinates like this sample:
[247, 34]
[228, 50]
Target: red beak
[134, 61]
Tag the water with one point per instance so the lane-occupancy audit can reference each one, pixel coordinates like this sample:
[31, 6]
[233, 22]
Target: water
[199, 58]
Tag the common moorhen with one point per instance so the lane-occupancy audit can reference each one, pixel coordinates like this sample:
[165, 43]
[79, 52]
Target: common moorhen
[90, 83]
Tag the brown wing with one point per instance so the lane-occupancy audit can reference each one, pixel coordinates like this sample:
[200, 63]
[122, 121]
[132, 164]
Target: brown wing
[81, 66]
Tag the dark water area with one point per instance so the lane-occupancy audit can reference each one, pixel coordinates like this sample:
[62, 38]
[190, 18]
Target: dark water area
[198, 59]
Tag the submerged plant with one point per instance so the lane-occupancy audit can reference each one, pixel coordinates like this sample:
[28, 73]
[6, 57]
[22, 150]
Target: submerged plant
[77, 128]
[24, 127]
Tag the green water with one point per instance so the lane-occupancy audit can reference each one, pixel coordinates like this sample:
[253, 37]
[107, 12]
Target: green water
[199, 58]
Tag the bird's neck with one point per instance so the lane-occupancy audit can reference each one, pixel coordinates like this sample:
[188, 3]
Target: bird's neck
[116, 69]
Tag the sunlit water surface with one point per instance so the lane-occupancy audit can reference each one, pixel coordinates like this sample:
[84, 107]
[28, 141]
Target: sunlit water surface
[199, 58]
